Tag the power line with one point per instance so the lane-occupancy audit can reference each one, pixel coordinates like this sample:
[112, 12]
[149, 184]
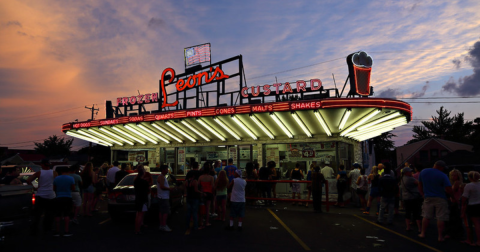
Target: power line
[27, 117]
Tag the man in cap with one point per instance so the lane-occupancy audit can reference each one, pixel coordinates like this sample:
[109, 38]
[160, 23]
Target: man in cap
[435, 187]
[237, 209]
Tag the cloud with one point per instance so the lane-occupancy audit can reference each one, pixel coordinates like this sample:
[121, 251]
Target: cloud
[414, 7]
[156, 23]
[13, 23]
[390, 93]
[457, 63]
[468, 85]
[397, 93]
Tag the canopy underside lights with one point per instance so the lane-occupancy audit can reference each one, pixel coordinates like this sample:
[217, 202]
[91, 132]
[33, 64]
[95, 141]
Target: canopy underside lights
[388, 124]
[167, 133]
[261, 126]
[171, 125]
[83, 132]
[344, 119]
[149, 131]
[230, 131]
[116, 136]
[244, 127]
[117, 129]
[138, 133]
[323, 123]
[360, 122]
[106, 137]
[281, 125]
[301, 124]
[195, 130]
[385, 118]
[210, 129]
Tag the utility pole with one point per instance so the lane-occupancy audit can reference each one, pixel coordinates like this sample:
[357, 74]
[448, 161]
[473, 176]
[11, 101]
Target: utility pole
[93, 109]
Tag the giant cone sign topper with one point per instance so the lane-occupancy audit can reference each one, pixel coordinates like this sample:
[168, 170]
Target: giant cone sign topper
[359, 68]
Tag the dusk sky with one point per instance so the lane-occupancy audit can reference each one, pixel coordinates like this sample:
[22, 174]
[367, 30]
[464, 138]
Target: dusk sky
[56, 57]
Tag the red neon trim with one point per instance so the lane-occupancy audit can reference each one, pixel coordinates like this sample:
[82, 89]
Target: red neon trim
[247, 109]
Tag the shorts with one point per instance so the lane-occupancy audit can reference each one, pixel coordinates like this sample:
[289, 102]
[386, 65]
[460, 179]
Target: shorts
[361, 192]
[77, 199]
[237, 209]
[295, 187]
[473, 210]
[374, 192]
[436, 207]
[89, 189]
[164, 206]
[208, 196]
[221, 197]
[63, 206]
[141, 207]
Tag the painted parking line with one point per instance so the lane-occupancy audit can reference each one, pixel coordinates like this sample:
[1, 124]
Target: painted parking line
[401, 235]
[103, 222]
[289, 231]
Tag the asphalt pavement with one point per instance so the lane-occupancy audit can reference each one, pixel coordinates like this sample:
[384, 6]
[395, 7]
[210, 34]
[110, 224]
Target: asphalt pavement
[279, 228]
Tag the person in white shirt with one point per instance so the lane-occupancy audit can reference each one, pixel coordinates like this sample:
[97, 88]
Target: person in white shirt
[327, 171]
[471, 194]
[353, 175]
[237, 209]
[111, 176]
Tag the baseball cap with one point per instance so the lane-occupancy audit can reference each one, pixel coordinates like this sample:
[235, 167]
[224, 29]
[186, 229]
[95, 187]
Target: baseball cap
[407, 169]
[239, 172]
[230, 160]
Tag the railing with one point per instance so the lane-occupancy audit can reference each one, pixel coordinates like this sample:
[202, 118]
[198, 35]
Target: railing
[326, 202]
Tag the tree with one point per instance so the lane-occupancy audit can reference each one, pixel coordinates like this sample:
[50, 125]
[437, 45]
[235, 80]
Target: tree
[445, 127]
[54, 146]
[383, 146]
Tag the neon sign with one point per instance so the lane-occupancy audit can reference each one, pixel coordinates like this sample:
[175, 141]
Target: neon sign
[225, 111]
[300, 86]
[109, 122]
[305, 105]
[137, 99]
[190, 82]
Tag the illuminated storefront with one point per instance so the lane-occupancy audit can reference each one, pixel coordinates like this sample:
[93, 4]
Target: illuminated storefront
[201, 116]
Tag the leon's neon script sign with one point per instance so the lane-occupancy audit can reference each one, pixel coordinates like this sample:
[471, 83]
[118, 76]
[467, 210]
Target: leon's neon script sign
[169, 75]
[190, 82]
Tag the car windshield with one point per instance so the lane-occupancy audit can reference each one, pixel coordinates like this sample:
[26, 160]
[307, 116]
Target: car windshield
[128, 180]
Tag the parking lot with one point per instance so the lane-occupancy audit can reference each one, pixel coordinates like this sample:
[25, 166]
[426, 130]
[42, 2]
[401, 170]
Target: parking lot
[280, 228]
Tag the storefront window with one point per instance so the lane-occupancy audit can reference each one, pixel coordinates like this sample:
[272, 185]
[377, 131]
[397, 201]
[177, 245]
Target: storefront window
[134, 157]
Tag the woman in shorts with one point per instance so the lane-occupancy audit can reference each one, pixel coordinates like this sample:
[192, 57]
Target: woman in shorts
[362, 188]
[221, 188]
[206, 182]
[471, 210]
[374, 192]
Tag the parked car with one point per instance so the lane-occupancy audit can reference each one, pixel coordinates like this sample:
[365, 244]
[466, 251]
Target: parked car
[121, 201]
[16, 204]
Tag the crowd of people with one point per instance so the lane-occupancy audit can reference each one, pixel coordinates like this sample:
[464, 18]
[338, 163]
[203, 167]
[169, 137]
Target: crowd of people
[424, 195]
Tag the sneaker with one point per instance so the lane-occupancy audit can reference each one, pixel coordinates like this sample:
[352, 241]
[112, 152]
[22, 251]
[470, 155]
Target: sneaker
[366, 212]
[67, 234]
[214, 215]
[167, 229]
[56, 234]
